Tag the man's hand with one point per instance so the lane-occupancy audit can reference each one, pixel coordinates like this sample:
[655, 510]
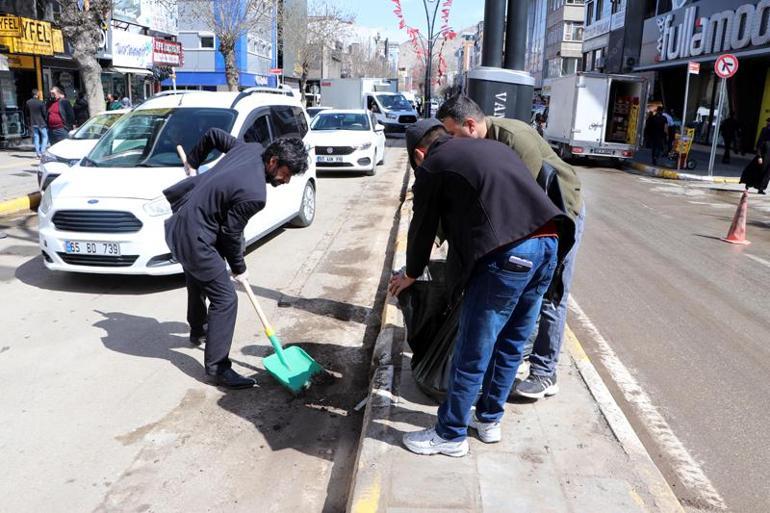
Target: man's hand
[243, 278]
[400, 282]
[189, 170]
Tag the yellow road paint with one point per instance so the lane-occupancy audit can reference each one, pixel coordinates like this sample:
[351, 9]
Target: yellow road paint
[369, 501]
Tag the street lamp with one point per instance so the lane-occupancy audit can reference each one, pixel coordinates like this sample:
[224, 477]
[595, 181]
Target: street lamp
[430, 5]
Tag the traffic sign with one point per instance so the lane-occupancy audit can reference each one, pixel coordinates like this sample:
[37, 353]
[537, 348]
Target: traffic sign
[693, 67]
[276, 71]
[726, 65]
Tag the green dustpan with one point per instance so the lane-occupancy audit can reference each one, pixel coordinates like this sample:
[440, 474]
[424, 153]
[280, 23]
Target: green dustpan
[292, 367]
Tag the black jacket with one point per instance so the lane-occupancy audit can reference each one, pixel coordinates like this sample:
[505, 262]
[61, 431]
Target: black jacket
[212, 209]
[37, 112]
[485, 198]
[81, 111]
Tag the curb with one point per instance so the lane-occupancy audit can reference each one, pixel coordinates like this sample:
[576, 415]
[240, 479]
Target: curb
[27, 202]
[671, 174]
[638, 455]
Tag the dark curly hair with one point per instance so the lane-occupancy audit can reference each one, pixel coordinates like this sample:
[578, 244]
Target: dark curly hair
[291, 153]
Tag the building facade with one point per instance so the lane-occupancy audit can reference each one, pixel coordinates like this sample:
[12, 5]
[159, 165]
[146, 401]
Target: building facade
[534, 62]
[564, 38]
[700, 31]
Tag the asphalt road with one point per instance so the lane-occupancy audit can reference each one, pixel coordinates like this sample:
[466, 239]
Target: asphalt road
[104, 405]
[689, 317]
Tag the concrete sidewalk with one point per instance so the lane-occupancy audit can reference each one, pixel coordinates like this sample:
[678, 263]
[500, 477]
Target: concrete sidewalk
[574, 452]
[723, 173]
[18, 181]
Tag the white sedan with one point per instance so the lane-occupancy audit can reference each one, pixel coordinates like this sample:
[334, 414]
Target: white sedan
[62, 156]
[347, 140]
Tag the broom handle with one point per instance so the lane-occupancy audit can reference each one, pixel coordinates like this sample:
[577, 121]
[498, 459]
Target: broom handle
[265, 324]
[183, 158]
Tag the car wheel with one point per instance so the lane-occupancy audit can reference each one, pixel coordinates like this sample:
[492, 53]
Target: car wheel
[306, 212]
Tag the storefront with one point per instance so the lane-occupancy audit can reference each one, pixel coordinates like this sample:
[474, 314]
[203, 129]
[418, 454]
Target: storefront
[701, 31]
[132, 58]
[26, 45]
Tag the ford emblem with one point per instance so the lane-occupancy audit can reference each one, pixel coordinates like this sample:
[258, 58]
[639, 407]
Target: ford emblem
[329, 150]
[93, 201]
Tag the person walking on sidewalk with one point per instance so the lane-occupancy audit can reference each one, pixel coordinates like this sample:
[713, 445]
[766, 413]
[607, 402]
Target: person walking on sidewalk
[658, 134]
[729, 130]
[61, 117]
[757, 172]
[210, 212]
[38, 116]
[463, 117]
[504, 237]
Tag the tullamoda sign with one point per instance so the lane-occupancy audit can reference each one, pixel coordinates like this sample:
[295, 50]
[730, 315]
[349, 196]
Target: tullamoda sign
[705, 28]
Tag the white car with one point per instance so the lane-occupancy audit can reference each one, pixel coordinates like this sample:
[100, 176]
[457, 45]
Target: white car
[107, 214]
[60, 157]
[348, 140]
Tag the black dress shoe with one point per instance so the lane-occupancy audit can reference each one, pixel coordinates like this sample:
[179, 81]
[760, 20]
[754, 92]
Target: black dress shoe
[198, 340]
[231, 379]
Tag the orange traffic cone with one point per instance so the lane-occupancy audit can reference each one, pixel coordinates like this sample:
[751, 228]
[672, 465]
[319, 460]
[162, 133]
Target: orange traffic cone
[737, 233]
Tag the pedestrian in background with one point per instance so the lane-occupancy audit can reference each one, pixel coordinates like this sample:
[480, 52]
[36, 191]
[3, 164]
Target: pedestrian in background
[463, 117]
[38, 121]
[729, 130]
[113, 103]
[757, 173]
[658, 134]
[61, 116]
[81, 109]
[670, 129]
[503, 235]
[125, 103]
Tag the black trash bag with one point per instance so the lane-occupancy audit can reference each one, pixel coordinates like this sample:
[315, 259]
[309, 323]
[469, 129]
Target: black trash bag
[431, 317]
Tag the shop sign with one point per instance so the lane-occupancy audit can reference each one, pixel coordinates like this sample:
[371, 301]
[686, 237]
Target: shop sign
[21, 61]
[10, 26]
[131, 50]
[705, 28]
[693, 68]
[597, 28]
[58, 41]
[167, 53]
[35, 38]
[157, 15]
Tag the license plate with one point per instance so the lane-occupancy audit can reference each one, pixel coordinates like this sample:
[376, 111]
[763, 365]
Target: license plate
[84, 247]
[324, 158]
[603, 151]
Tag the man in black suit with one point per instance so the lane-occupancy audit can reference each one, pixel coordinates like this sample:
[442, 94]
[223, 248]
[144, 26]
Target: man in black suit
[206, 229]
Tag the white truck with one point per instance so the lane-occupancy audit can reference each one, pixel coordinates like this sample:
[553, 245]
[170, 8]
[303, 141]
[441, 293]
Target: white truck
[596, 115]
[379, 96]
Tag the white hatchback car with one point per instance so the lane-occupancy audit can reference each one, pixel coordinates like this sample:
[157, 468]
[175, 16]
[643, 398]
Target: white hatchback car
[107, 214]
[348, 140]
[60, 157]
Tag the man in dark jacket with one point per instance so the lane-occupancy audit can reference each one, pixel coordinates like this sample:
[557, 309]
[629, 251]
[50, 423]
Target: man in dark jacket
[38, 116]
[61, 117]
[462, 117]
[503, 234]
[658, 134]
[206, 229]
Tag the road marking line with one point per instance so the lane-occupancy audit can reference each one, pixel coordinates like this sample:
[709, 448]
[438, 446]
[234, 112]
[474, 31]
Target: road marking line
[684, 465]
[759, 260]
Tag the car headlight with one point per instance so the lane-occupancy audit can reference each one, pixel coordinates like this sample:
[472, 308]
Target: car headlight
[46, 202]
[158, 207]
[391, 116]
[48, 157]
[364, 146]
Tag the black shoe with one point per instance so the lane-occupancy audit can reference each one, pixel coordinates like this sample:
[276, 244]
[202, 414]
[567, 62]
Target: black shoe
[537, 387]
[198, 340]
[231, 379]
[761, 192]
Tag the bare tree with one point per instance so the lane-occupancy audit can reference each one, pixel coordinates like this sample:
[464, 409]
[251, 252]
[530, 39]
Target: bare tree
[82, 23]
[309, 37]
[230, 20]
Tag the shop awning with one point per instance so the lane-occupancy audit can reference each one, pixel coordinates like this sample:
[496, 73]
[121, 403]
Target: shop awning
[133, 71]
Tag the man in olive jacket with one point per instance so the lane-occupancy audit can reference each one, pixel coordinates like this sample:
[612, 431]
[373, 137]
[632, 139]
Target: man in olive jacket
[462, 117]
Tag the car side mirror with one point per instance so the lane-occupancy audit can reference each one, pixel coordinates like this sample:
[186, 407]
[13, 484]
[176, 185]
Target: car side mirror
[379, 128]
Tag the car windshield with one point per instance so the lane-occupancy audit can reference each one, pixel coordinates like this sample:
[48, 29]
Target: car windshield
[149, 137]
[95, 127]
[394, 102]
[340, 121]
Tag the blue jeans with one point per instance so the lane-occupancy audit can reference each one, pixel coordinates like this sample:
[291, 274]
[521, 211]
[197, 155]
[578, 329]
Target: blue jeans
[40, 139]
[498, 315]
[553, 317]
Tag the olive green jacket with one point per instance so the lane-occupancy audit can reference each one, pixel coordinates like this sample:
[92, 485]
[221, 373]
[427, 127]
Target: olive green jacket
[534, 150]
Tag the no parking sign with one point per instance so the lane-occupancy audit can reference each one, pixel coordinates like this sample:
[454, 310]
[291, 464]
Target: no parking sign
[726, 65]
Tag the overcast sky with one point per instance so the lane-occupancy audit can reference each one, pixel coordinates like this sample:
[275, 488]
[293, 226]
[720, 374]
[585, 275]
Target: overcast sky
[377, 15]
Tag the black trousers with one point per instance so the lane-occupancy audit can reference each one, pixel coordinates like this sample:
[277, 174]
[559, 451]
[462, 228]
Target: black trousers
[728, 146]
[658, 148]
[217, 321]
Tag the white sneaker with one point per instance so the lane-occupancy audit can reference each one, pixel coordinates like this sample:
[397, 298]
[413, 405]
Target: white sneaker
[489, 432]
[428, 441]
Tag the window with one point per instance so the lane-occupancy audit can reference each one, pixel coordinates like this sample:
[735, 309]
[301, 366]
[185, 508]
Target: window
[340, 121]
[589, 13]
[207, 41]
[617, 5]
[569, 65]
[599, 9]
[301, 121]
[284, 121]
[259, 131]
[573, 31]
